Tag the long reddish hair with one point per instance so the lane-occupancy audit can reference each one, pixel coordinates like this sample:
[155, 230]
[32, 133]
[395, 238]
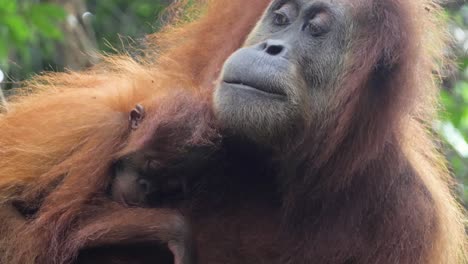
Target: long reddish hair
[63, 131]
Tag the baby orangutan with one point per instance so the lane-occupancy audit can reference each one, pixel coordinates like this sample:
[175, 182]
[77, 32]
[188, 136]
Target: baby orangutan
[142, 180]
[159, 173]
[153, 176]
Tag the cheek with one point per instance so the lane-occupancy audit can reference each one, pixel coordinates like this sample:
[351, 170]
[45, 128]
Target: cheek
[307, 101]
[303, 103]
[296, 87]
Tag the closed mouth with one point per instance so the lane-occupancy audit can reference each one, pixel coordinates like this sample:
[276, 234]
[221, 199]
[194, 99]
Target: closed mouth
[245, 86]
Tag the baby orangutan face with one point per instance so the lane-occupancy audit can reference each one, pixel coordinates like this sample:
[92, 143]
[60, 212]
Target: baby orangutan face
[159, 174]
[139, 178]
[140, 181]
[145, 179]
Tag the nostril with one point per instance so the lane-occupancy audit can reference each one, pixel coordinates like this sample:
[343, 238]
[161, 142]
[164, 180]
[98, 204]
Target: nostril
[274, 50]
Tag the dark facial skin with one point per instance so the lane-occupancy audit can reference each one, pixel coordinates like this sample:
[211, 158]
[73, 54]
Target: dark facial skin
[283, 75]
[146, 179]
[140, 181]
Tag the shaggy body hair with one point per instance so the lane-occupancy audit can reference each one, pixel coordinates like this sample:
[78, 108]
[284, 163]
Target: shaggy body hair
[61, 138]
[364, 185]
[362, 181]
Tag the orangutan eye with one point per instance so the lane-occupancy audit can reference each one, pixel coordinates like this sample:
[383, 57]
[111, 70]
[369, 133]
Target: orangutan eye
[316, 29]
[319, 24]
[282, 16]
[280, 19]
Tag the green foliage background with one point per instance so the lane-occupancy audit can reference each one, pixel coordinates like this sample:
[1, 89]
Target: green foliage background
[31, 30]
[24, 24]
[453, 125]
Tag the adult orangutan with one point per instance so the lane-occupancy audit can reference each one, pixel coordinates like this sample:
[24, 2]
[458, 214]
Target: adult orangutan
[324, 115]
[325, 156]
[330, 100]
[341, 93]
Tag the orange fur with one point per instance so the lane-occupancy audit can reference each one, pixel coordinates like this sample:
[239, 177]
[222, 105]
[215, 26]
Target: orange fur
[60, 139]
[68, 128]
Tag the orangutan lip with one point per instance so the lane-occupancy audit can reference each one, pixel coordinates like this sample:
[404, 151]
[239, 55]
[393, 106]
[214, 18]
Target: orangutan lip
[258, 89]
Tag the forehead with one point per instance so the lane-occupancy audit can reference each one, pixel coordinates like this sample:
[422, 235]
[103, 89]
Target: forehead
[306, 3]
[340, 7]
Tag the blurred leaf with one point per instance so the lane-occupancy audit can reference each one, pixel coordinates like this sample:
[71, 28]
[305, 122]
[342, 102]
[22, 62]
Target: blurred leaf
[46, 27]
[4, 46]
[18, 28]
[447, 100]
[51, 11]
[7, 6]
[462, 89]
[46, 19]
